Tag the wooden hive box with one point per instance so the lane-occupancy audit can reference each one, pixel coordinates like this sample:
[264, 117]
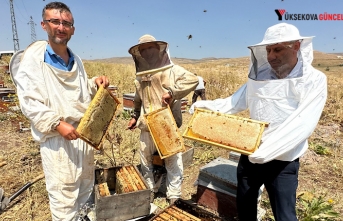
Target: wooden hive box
[164, 132]
[128, 101]
[234, 133]
[217, 187]
[187, 157]
[183, 210]
[98, 117]
[184, 103]
[127, 195]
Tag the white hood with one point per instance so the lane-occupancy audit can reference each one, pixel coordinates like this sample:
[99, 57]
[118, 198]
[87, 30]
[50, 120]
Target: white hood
[292, 106]
[282, 32]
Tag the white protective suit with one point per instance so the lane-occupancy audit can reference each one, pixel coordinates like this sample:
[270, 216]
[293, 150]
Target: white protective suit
[48, 95]
[292, 105]
[151, 83]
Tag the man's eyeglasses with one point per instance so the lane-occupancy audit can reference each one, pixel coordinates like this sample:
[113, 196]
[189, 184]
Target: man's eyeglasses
[57, 22]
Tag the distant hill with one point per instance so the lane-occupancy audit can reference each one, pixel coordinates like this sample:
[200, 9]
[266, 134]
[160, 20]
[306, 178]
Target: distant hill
[117, 60]
[128, 60]
[321, 55]
[338, 54]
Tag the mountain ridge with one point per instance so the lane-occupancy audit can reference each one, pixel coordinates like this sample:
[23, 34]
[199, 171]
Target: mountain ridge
[176, 60]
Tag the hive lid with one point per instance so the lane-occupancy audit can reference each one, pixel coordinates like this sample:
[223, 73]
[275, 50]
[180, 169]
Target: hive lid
[164, 132]
[98, 117]
[220, 173]
[231, 132]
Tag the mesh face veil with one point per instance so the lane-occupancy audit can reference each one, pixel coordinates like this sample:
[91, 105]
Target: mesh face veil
[152, 58]
[260, 68]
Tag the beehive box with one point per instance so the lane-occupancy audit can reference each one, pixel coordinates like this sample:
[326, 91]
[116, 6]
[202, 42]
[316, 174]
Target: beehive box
[164, 132]
[128, 101]
[187, 157]
[234, 133]
[98, 117]
[184, 211]
[121, 193]
[184, 103]
[217, 187]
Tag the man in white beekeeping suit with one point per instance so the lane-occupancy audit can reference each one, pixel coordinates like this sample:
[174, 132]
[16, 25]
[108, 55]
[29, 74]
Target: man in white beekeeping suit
[285, 90]
[54, 92]
[158, 83]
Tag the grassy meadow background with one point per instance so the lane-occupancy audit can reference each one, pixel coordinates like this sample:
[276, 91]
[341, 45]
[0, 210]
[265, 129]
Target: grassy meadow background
[321, 173]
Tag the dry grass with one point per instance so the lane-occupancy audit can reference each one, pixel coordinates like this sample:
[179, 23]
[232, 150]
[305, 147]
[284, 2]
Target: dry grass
[321, 170]
[121, 75]
[5, 60]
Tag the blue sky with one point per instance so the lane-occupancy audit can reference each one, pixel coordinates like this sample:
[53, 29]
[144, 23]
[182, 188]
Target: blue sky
[108, 28]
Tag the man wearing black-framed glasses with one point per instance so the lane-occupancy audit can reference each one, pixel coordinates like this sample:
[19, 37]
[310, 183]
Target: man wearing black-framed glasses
[57, 22]
[54, 92]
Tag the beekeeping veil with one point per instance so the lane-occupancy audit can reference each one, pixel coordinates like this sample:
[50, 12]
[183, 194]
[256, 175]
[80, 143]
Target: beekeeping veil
[292, 106]
[278, 33]
[153, 59]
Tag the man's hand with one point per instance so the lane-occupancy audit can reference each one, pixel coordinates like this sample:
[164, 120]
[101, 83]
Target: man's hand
[166, 98]
[102, 80]
[132, 124]
[67, 131]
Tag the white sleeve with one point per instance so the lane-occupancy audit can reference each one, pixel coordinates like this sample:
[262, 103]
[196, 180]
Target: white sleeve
[235, 103]
[32, 96]
[296, 128]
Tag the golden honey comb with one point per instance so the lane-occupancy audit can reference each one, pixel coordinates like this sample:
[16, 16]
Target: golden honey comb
[235, 133]
[98, 117]
[164, 132]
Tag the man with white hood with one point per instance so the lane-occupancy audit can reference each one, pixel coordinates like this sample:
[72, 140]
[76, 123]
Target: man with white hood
[54, 92]
[158, 83]
[285, 90]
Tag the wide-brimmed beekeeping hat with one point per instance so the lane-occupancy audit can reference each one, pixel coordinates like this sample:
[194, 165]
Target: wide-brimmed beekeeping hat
[142, 66]
[147, 39]
[281, 32]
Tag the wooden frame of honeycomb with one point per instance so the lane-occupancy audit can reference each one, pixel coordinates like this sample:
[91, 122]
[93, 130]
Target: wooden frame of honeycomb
[98, 117]
[164, 132]
[231, 132]
[127, 180]
[173, 213]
